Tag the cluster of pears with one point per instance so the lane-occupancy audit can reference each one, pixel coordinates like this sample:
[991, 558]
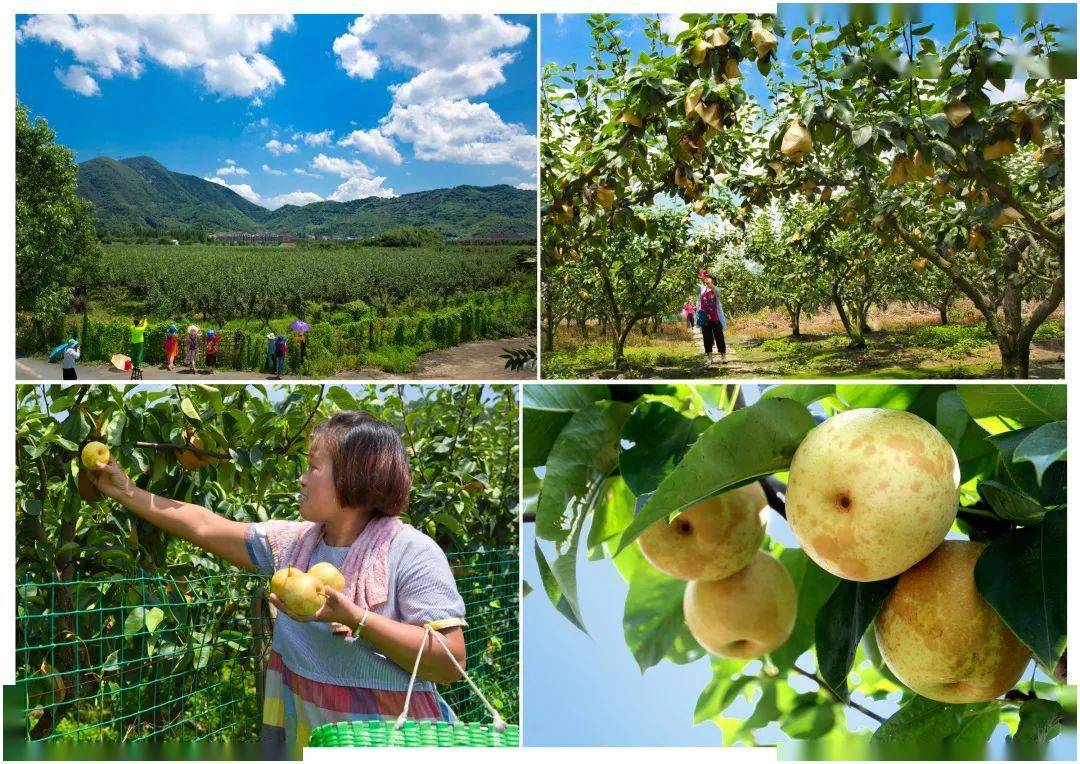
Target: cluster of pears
[305, 593]
[871, 495]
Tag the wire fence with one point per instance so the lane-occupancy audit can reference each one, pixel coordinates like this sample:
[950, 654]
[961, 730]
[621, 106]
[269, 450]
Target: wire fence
[152, 658]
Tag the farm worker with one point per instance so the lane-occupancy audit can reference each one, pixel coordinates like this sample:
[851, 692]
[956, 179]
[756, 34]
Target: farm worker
[279, 355]
[211, 349]
[137, 335]
[172, 347]
[71, 355]
[271, 356]
[711, 319]
[352, 659]
[688, 313]
[193, 333]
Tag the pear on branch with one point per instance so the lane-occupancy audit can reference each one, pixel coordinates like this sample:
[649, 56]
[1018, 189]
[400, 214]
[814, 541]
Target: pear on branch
[1007, 216]
[691, 103]
[998, 149]
[797, 142]
[921, 168]
[900, 172]
[697, 53]
[731, 69]
[763, 40]
[628, 117]
[977, 239]
[956, 112]
[717, 37]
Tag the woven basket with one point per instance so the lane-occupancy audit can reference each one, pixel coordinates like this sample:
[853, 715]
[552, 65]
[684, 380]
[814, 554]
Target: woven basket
[413, 734]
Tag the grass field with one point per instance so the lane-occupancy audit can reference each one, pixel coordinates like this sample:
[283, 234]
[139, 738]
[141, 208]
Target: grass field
[906, 343]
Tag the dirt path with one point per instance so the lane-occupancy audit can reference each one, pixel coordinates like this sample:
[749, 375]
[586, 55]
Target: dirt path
[474, 360]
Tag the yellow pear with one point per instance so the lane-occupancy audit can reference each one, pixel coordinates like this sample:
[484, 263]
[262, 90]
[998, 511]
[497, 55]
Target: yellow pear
[329, 575]
[709, 540]
[999, 149]
[1007, 216]
[94, 452]
[691, 103]
[941, 638]
[277, 581]
[919, 264]
[956, 112]
[303, 594]
[745, 615]
[796, 143]
[871, 492]
[604, 196]
[190, 460]
[630, 118]
[763, 40]
[698, 51]
[977, 239]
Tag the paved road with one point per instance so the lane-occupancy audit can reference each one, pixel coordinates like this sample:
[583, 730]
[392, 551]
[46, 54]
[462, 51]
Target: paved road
[36, 369]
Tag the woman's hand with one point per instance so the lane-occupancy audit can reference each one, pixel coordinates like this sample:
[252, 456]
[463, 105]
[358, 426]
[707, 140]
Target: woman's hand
[111, 480]
[336, 609]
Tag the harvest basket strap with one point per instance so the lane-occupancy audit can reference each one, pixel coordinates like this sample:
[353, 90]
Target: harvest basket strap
[430, 631]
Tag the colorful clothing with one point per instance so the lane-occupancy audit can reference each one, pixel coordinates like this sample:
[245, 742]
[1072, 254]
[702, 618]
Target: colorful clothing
[137, 332]
[317, 676]
[212, 350]
[709, 301]
[192, 348]
[172, 347]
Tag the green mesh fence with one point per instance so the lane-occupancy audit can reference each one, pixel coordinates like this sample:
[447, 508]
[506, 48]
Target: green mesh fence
[151, 658]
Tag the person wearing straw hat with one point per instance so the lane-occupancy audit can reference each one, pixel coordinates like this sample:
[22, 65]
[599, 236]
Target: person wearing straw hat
[193, 333]
[137, 337]
[172, 347]
[353, 659]
[211, 350]
[70, 356]
[271, 356]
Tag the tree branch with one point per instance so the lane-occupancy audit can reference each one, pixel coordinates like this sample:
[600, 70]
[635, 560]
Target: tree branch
[849, 702]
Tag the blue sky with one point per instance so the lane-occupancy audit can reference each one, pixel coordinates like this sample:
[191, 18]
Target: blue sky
[292, 109]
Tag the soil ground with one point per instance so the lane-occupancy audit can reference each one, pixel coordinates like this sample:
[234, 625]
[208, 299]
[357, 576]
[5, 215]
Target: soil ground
[473, 360]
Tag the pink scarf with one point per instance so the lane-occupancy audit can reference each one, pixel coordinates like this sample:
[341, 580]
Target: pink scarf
[366, 569]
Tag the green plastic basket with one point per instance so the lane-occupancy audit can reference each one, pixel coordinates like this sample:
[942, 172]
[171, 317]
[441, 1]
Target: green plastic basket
[377, 733]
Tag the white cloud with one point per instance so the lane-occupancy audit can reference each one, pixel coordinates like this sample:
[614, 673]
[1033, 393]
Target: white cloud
[271, 171]
[672, 25]
[315, 139]
[345, 168]
[277, 148]
[298, 198]
[455, 55]
[230, 168]
[224, 49]
[373, 143]
[302, 171]
[526, 186]
[461, 131]
[78, 79]
[361, 188]
[243, 189]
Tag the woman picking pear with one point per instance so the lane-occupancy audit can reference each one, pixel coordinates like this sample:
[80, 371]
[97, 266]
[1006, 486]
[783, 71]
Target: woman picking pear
[347, 654]
[711, 318]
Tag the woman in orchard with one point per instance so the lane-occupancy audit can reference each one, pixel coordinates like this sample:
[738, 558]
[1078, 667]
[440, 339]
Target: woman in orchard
[688, 313]
[137, 337]
[192, 347]
[711, 318]
[172, 347]
[352, 659]
[212, 338]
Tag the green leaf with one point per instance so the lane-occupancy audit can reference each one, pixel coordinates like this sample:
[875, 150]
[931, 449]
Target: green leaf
[1021, 474]
[840, 625]
[134, 622]
[878, 396]
[977, 724]
[1014, 405]
[153, 618]
[659, 437]
[1040, 722]
[1010, 504]
[554, 592]
[613, 513]
[653, 615]
[745, 445]
[540, 429]
[814, 585]
[586, 450]
[861, 135]
[974, 452]
[563, 397]
[188, 408]
[1023, 576]
[341, 397]
[804, 394]
[809, 722]
[726, 684]
[920, 723]
[1043, 447]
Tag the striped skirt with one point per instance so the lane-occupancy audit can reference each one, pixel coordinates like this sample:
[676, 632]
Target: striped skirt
[296, 705]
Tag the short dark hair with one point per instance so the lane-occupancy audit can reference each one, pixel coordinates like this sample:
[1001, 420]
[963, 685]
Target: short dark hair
[371, 465]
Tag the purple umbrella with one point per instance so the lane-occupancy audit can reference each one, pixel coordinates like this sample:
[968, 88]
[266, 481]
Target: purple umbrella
[299, 326]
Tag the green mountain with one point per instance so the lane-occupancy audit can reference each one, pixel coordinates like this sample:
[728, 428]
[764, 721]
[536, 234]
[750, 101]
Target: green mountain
[138, 195]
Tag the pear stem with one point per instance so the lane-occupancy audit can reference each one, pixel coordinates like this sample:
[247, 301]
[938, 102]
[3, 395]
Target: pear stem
[849, 702]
